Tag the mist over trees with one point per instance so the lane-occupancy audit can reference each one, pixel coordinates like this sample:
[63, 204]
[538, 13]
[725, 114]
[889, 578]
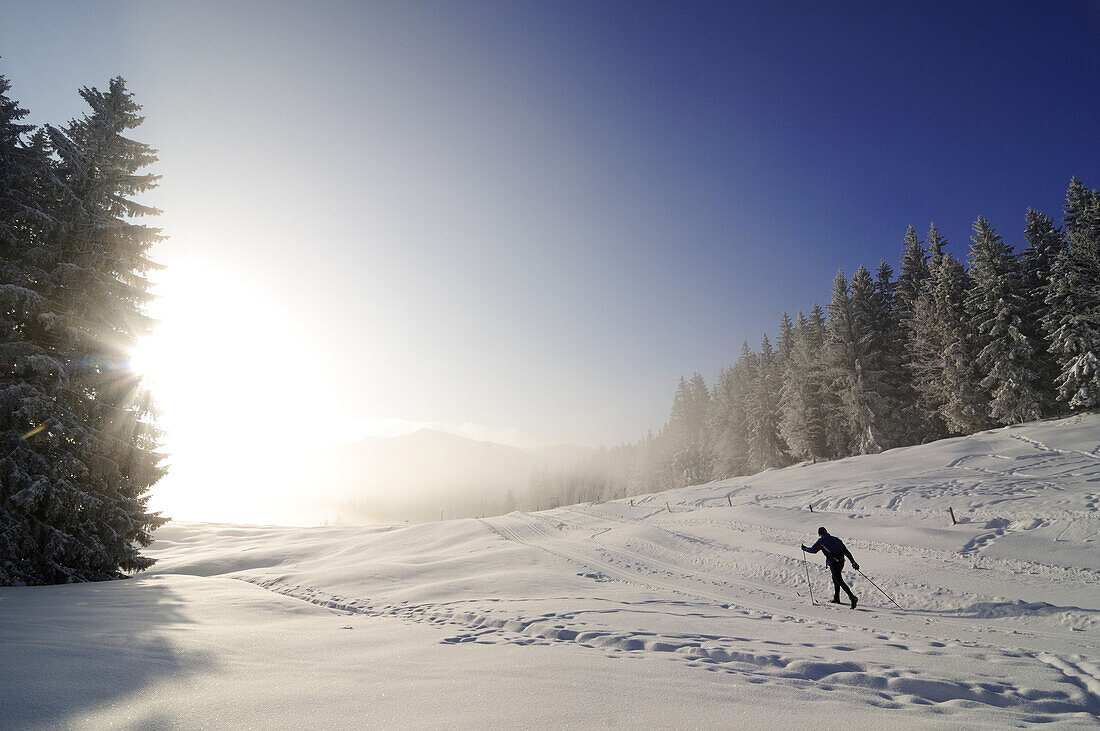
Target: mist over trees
[78, 449]
[946, 348]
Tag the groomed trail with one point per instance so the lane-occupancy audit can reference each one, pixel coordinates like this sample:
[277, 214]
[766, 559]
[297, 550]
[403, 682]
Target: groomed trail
[999, 620]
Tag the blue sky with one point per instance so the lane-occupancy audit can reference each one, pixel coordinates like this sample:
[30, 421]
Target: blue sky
[526, 220]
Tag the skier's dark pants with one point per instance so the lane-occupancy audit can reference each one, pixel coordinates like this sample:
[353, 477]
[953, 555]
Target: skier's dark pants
[838, 582]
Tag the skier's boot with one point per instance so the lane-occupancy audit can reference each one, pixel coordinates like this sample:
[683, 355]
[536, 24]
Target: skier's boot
[835, 601]
[854, 600]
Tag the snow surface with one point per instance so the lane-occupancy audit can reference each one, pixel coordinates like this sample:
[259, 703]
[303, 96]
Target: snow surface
[675, 609]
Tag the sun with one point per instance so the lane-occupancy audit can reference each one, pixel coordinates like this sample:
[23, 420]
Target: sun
[149, 358]
[228, 379]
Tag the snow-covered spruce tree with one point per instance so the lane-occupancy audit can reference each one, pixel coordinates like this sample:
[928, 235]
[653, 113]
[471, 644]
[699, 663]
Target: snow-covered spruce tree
[785, 344]
[911, 276]
[864, 360]
[995, 306]
[873, 399]
[900, 418]
[1045, 244]
[32, 457]
[817, 336]
[803, 400]
[846, 418]
[952, 376]
[965, 407]
[1073, 320]
[728, 423]
[766, 447]
[919, 420]
[783, 354]
[746, 374]
[687, 432]
[790, 393]
[85, 517]
[42, 537]
[867, 381]
[932, 326]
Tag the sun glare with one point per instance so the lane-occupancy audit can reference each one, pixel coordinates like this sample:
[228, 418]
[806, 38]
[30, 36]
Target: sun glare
[219, 369]
[148, 358]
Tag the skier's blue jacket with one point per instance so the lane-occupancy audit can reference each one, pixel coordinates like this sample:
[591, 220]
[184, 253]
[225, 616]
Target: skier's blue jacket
[833, 548]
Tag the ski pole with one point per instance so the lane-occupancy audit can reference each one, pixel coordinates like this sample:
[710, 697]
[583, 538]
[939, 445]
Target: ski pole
[877, 587]
[807, 567]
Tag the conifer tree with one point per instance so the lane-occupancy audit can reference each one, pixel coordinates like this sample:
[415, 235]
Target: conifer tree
[954, 363]
[785, 344]
[846, 418]
[26, 261]
[932, 326]
[1045, 244]
[802, 401]
[1073, 320]
[729, 436]
[872, 397]
[766, 447]
[911, 277]
[920, 421]
[32, 464]
[78, 513]
[867, 377]
[900, 422]
[935, 243]
[1005, 354]
[965, 407]
[687, 432]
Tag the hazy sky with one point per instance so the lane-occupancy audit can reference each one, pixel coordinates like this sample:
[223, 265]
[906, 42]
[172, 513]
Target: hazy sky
[527, 220]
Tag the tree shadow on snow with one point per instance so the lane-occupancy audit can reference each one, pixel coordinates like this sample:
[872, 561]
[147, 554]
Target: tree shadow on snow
[67, 650]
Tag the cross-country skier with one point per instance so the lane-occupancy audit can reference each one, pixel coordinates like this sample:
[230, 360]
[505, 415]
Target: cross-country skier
[835, 551]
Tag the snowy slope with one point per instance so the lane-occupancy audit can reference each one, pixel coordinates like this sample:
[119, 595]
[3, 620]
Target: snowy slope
[684, 608]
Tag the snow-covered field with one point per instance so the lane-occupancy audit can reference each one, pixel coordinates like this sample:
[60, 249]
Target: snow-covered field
[687, 608]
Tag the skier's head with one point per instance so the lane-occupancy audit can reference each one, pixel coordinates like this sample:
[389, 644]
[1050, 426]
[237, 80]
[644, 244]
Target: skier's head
[822, 532]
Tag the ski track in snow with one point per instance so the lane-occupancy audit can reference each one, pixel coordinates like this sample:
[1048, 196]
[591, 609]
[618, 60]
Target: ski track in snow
[685, 576]
[759, 660]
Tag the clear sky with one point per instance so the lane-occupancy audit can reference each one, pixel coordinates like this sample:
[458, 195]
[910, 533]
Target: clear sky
[524, 221]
